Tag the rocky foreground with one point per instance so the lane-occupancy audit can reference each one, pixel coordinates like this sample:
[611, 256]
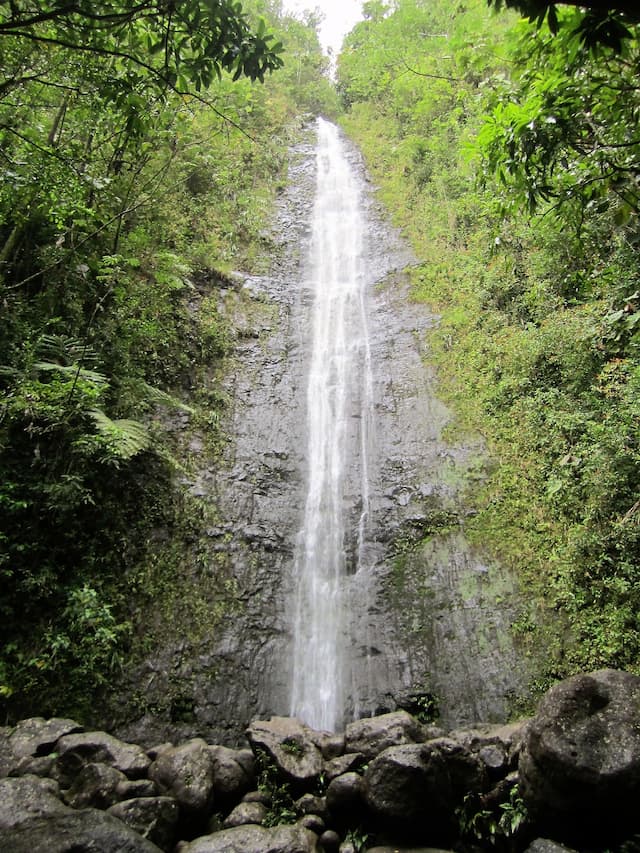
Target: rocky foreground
[568, 776]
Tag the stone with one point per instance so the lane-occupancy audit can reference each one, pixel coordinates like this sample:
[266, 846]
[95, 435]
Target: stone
[408, 787]
[330, 745]
[27, 797]
[76, 750]
[232, 773]
[186, 773]
[345, 796]
[32, 765]
[545, 845]
[343, 764]
[287, 742]
[84, 831]
[255, 839]
[507, 738]
[36, 736]
[130, 789]
[371, 735]
[580, 761]
[313, 822]
[312, 804]
[257, 797]
[329, 841]
[96, 785]
[245, 813]
[154, 818]
[465, 769]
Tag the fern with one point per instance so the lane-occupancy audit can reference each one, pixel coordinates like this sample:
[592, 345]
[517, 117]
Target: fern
[126, 437]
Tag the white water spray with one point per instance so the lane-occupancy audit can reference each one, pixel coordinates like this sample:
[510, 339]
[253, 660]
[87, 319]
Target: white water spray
[339, 415]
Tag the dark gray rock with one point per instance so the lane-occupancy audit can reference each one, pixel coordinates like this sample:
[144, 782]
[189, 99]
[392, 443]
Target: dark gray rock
[245, 813]
[85, 831]
[130, 789]
[96, 785]
[545, 845]
[313, 822]
[345, 796]
[257, 797]
[154, 818]
[233, 772]
[186, 773]
[409, 787]
[372, 735]
[76, 750]
[312, 804]
[329, 841]
[36, 736]
[580, 763]
[32, 765]
[27, 797]
[330, 745]
[255, 839]
[482, 739]
[288, 743]
[343, 764]
[465, 769]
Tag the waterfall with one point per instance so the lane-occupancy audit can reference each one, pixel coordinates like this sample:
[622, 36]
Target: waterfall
[339, 419]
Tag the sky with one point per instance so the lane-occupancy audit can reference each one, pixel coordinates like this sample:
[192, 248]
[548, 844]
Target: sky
[339, 18]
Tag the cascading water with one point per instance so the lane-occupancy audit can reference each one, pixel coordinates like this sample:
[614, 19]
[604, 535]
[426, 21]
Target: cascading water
[339, 415]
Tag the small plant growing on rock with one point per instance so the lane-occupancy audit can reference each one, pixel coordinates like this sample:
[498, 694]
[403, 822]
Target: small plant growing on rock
[281, 805]
[496, 826]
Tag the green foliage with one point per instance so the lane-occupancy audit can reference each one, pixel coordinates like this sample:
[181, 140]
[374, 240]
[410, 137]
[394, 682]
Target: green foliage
[281, 803]
[138, 165]
[511, 161]
[496, 825]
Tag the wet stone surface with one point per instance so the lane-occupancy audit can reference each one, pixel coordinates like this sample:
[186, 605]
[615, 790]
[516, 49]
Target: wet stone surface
[426, 621]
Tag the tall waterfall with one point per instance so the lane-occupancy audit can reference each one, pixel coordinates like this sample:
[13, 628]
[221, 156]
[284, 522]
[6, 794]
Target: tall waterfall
[339, 392]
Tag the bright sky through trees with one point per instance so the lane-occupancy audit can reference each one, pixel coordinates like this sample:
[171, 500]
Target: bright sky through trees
[339, 18]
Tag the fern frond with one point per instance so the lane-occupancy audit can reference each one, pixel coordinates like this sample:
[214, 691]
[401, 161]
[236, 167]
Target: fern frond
[126, 437]
[92, 376]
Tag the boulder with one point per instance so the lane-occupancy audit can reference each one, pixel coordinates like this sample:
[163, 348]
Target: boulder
[289, 745]
[370, 736]
[37, 736]
[545, 845]
[232, 773]
[85, 831]
[408, 787]
[255, 839]
[32, 765]
[313, 822]
[343, 764]
[95, 785]
[76, 750]
[491, 742]
[329, 841]
[27, 797]
[580, 762]
[345, 797]
[312, 804]
[465, 769]
[186, 774]
[245, 813]
[154, 818]
[330, 745]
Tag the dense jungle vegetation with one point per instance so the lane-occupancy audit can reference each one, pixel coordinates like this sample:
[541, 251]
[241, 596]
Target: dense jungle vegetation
[509, 152]
[141, 148]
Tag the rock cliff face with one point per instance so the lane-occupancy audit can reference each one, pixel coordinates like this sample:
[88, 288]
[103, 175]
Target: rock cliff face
[426, 624]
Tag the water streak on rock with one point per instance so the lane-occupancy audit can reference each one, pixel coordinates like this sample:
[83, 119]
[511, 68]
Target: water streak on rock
[339, 389]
